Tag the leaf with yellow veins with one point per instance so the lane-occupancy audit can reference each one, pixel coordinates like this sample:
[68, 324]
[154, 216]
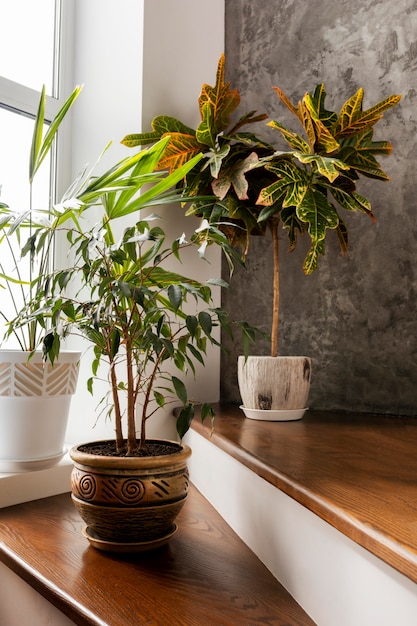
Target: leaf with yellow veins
[295, 141]
[323, 137]
[290, 106]
[216, 106]
[307, 122]
[328, 167]
[180, 149]
[352, 120]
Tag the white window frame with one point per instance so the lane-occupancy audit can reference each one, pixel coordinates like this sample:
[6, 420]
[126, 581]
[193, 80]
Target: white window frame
[24, 100]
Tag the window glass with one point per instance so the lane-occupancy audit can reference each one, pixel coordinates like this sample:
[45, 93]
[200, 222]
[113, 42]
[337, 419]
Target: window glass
[16, 132]
[27, 41]
[28, 60]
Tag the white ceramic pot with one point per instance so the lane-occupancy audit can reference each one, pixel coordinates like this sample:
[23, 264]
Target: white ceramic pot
[35, 399]
[274, 388]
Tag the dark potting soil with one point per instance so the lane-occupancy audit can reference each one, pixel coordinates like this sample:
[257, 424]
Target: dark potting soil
[150, 448]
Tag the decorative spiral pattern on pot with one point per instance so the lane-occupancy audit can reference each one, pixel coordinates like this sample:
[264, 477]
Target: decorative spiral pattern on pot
[87, 486]
[132, 490]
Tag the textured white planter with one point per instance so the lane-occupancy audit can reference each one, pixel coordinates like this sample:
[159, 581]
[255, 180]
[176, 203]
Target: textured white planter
[274, 388]
[34, 405]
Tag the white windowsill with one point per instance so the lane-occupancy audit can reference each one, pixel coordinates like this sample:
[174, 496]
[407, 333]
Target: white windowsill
[19, 487]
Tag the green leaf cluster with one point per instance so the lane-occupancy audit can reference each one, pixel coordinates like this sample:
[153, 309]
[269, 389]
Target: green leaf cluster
[248, 187]
[318, 175]
[224, 182]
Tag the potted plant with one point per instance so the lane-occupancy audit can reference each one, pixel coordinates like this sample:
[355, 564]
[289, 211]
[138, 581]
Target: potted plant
[143, 319]
[34, 395]
[258, 189]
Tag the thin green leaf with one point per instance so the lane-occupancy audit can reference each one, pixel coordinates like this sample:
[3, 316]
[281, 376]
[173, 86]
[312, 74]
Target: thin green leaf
[180, 389]
[205, 321]
[175, 296]
[184, 420]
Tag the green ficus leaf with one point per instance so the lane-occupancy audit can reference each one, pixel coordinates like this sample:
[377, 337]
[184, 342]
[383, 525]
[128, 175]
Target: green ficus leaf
[192, 324]
[175, 296]
[169, 347]
[196, 353]
[184, 420]
[63, 279]
[205, 322]
[115, 343]
[125, 289]
[159, 325]
[159, 398]
[180, 389]
[179, 360]
[90, 382]
[69, 310]
[206, 411]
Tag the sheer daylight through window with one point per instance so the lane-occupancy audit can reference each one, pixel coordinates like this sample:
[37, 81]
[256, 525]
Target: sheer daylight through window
[29, 61]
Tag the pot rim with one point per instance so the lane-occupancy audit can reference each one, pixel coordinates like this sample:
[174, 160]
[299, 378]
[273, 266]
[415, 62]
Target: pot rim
[97, 460]
[21, 356]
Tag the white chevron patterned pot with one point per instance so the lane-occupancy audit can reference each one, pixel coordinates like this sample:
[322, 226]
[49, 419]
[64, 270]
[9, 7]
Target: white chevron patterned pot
[35, 399]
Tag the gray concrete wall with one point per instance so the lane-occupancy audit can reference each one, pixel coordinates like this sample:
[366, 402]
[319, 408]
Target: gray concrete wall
[357, 315]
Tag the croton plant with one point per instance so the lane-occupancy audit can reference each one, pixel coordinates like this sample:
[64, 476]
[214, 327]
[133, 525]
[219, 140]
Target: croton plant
[248, 187]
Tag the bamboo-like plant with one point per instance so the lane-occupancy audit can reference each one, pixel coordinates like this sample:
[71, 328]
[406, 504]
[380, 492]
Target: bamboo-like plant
[23, 236]
[258, 188]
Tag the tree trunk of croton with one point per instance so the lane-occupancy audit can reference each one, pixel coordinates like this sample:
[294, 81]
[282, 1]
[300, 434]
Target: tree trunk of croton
[275, 301]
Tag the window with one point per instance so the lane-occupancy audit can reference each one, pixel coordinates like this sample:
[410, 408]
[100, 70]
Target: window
[37, 53]
[29, 42]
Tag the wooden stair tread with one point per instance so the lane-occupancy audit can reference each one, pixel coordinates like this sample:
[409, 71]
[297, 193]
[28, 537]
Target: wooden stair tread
[358, 472]
[204, 575]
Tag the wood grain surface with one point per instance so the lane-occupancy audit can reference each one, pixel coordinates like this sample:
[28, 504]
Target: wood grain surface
[356, 471]
[205, 576]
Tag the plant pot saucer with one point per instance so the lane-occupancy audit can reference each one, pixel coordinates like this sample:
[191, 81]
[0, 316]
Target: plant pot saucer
[25, 465]
[128, 547]
[274, 415]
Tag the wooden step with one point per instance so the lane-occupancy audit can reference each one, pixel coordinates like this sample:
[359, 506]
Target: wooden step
[358, 472]
[328, 503]
[205, 576]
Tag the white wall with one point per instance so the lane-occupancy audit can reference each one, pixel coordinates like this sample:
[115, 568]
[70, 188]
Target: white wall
[145, 58]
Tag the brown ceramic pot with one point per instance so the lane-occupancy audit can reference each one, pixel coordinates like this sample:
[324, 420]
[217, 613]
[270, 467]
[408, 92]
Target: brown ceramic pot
[129, 503]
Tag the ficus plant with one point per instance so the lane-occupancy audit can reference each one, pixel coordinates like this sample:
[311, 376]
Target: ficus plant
[259, 188]
[142, 318]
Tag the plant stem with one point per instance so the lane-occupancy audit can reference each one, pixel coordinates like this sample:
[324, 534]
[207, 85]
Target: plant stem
[275, 301]
[117, 411]
[131, 400]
